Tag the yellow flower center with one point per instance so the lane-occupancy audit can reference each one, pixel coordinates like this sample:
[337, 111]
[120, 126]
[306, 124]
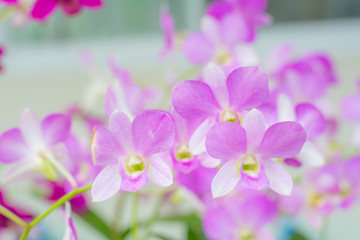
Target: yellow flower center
[245, 234]
[228, 116]
[250, 165]
[134, 165]
[222, 56]
[183, 153]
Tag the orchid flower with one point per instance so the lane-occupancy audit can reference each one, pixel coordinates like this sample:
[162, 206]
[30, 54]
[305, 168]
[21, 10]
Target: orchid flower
[168, 28]
[42, 9]
[70, 231]
[312, 121]
[217, 98]
[181, 157]
[129, 152]
[250, 152]
[31, 147]
[225, 28]
[240, 218]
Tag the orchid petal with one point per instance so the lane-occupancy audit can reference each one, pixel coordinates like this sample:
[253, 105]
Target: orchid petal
[226, 179]
[31, 130]
[197, 140]
[12, 146]
[279, 179]
[159, 172]
[255, 127]
[120, 127]
[193, 99]
[248, 87]
[286, 111]
[198, 49]
[282, 140]
[311, 155]
[42, 9]
[55, 128]
[106, 184]
[104, 147]
[311, 119]
[154, 132]
[226, 140]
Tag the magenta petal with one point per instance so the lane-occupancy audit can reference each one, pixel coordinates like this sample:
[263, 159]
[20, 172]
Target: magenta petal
[310, 118]
[154, 132]
[55, 128]
[258, 183]
[42, 9]
[279, 179]
[106, 184]
[193, 99]
[198, 49]
[255, 127]
[104, 147]
[91, 3]
[226, 179]
[120, 127]
[70, 231]
[282, 140]
[12, 146]
[248, 87]
[226, 140]
[159, 172]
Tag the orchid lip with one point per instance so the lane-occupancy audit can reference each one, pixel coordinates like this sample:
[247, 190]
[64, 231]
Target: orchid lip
[228, 116]
[134, 165]
[250, 165]
[182, 153]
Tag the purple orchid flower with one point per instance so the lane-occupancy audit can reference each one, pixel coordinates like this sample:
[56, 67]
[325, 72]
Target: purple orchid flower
[129, 152]
[217, 98]
[249, 153]
[168, 28]
[240, 217]
[31, 147]
[225, 29]
[42, 9]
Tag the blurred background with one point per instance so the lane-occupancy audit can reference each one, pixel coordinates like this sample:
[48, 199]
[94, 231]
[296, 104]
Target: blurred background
[44, 67]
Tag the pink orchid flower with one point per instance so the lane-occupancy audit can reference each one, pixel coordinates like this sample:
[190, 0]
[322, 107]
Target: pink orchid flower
[242, 216]
[129, 152]
[42, 9]
[314, 123]
[168, 28]
[31, 147]
[181, 157]
[126, 96]
[218, 98]
[70, 231]
[249, 152]
[225, 29]
[10, 2]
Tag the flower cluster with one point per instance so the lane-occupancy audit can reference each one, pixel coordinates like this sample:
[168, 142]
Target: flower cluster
[249, 140]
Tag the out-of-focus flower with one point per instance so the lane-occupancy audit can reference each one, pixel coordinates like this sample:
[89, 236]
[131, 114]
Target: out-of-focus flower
[239, 217]
[336, 185]
[126, 96]
[305, 79]
[312, 121]
[225, 29]
[180, 156]
[22, 213]
[168, 28]
[42, 9]
[129, 152]
[30, 147]
[70, 231]
[249, 153]
[218, 98]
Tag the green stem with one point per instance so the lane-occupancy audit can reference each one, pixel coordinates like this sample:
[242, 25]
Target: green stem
[58, 203]
[96, 222]
[12, 216]
[117, 213]
[134, 213]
